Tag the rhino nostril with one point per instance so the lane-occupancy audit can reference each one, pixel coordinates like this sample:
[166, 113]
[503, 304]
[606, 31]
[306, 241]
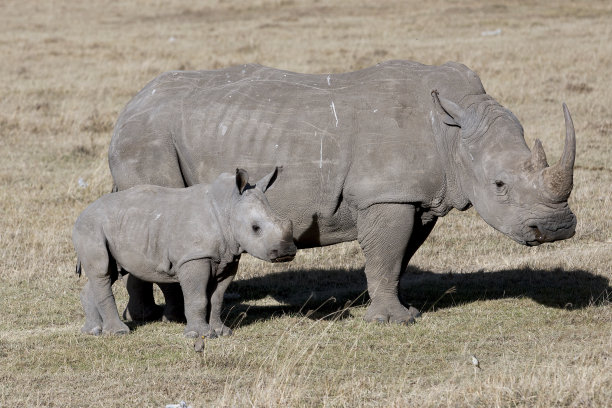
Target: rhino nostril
[538, 234]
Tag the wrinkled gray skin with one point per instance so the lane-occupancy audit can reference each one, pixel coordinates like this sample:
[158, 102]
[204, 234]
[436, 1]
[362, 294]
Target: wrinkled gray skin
[374, 155]
[193, 236]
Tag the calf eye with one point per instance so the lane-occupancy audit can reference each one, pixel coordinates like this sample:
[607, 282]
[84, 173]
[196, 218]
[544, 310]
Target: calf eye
[256, 228]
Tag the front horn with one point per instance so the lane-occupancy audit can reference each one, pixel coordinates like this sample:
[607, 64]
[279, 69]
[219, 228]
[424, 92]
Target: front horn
[558, 179]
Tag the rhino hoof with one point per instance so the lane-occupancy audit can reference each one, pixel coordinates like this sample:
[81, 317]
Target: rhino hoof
[380, 320]
[223, 331]
[191, 334]
[94, 331]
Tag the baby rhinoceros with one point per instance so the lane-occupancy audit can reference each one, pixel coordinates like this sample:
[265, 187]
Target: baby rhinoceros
[193, 236]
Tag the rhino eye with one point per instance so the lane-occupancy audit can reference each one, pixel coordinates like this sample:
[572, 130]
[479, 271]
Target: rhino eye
[256, 228]
[499, 183]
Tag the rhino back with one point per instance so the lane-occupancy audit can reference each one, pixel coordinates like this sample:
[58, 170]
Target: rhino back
[151, 230]
[345, 141]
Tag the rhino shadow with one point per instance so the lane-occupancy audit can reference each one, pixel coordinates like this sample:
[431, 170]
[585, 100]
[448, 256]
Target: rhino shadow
[323, 293]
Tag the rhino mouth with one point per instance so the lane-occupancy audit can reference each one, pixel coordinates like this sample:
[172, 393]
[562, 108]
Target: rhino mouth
[285, 258]
[538, 236]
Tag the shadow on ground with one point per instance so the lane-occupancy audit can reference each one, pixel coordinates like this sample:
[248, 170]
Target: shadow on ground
[324, 293]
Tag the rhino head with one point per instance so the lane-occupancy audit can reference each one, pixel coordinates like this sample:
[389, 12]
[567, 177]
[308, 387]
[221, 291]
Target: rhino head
[511, 187]
[256, 228]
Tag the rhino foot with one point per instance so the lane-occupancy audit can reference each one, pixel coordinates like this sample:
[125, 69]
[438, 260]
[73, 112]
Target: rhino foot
[92, 329]
[397, 315]
[206, 331]
[223, 330]
[117, 329]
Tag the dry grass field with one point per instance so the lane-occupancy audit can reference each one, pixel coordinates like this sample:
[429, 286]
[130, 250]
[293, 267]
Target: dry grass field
[539, 319]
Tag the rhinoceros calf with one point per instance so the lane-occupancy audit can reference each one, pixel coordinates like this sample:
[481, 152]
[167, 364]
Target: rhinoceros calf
[372, 155]
[193, 236]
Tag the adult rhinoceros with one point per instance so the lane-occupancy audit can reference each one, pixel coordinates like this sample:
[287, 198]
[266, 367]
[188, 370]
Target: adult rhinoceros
[375, 155]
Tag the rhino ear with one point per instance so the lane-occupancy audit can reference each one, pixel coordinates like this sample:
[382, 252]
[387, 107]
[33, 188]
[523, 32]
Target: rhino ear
[453, 113]
[242, 179]
[266, 182]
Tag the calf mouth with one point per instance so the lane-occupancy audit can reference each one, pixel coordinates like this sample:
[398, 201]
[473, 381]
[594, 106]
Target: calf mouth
[285, 258]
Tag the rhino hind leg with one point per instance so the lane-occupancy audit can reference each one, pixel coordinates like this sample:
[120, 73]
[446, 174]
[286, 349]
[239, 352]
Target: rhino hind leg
[141, 304]
[175, 305]
[384, 233]
[93, 320]
[97, 295]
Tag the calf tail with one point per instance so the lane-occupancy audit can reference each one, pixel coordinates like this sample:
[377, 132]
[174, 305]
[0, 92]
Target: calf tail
[78, 267]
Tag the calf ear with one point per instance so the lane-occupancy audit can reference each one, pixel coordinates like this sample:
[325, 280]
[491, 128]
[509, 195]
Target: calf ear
[453, 113]
[266, 182]
[242, 179]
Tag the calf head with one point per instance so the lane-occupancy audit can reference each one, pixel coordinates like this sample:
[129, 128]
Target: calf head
[512, 188]
[256, 227]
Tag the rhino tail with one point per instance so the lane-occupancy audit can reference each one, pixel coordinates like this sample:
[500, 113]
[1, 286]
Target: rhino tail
[114, 189]
[78, 268]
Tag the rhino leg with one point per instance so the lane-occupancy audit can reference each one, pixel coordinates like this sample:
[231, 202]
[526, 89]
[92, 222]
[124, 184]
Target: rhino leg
[141, 304]
[97, 265]
[384, 233]
[194, 277]
[93, 320]
[216, 299]
[175, 306]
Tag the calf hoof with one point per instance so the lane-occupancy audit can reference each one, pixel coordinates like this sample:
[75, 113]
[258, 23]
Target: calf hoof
[90, 329]
[193, 333]
[117, 330]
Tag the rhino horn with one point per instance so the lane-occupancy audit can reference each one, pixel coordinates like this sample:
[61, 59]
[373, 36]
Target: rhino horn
[558, 179]
[538, 157]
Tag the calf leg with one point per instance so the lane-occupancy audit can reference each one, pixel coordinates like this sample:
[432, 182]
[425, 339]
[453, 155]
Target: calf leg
[384, 232]
[194, 277]
[101, 277]
[93, 320]
[221, 283]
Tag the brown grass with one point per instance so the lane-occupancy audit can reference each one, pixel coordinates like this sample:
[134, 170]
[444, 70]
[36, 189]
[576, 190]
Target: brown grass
[538, 319]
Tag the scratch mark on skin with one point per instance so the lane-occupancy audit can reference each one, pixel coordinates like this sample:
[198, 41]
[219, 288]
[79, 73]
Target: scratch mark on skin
[329, 80]
[157, 216]
[431, 117]
[223, 129]
[334, 110]
[153, 92]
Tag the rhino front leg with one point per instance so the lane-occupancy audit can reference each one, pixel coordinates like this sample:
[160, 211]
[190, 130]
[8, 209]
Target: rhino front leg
[216, 299]
[384, 232]
[194, 277]
[141, 304]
